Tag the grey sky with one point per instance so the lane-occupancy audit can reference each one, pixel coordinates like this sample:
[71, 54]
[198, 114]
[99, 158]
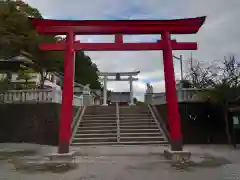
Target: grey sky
[219, 36]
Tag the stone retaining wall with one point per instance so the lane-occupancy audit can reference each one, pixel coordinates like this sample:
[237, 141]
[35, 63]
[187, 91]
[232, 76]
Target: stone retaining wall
[197, 126]
[31, 123]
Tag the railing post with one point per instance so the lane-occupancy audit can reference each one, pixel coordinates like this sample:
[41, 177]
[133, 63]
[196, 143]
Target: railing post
[180, 95]
[118, 122]
[53, 95]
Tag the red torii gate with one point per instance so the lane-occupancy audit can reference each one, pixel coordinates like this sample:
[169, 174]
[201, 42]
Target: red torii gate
[119, 28]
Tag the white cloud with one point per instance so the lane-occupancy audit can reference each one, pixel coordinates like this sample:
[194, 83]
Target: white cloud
[218, 36]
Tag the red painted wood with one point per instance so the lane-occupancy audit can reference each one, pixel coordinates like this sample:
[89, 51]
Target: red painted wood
[67, 95]
[170, 86]
[108, 30]
[119, 47]
[164, 27]
[118, 39]
[198, 21]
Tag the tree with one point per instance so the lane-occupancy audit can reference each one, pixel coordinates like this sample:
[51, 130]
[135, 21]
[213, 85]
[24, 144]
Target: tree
[230, 72]
[26, 74]
[223, 79]
[186, 84]
[228, 88]
[3, 83]
[45, 62]
[201, 75]
[137, 102]
[86, 72]
[15, 31]
[18, 35]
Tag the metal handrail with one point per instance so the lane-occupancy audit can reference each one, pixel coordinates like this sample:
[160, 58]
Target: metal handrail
[77, 122]
[118, 122]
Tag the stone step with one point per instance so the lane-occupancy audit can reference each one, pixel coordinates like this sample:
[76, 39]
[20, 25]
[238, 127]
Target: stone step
[121, 143]
[143, 142]
[93, 143]
[137, 123]
[95, 139]
[140, 134]
[131, 126]
[141, 114]
[133, 111]
[98, 123]
[100, 110]
[114, 130]
[144, 118]
[97, 131]
[142, 138]
[99, 114]
[80, 135]
[96, 127]
[137, 120]
[100, 117]
[131, 130]
[134, 107]
[121, 112]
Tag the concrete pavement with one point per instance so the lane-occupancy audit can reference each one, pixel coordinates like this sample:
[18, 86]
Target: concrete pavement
[121, 163]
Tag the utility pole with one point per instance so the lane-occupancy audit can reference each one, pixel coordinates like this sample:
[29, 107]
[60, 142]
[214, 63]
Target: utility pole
[191, 64]
[181, 64]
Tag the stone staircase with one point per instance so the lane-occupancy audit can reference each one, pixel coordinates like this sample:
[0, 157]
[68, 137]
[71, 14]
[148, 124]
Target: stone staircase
[114, 125]
[97, 126]
[137, 126]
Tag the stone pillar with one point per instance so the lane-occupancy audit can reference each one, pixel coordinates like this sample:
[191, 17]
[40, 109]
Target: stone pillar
[87, 97]
[87, 100]
[131, 90]
[105, 91]
[148, 98]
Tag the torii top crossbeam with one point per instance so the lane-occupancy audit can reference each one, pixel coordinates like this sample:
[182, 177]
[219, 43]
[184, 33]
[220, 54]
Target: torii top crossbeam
[119, 73]
[119, 28]
[91, 27]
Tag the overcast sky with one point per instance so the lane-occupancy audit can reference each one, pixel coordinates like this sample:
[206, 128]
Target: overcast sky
[219, 35]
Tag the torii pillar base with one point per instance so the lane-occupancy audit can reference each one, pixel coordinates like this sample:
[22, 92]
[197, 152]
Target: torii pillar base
[65, 158]
[177, 157]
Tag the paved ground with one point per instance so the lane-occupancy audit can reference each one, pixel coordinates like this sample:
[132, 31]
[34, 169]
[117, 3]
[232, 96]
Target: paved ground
[121, 163]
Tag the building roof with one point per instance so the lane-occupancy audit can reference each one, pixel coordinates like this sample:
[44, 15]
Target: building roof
[14, 63]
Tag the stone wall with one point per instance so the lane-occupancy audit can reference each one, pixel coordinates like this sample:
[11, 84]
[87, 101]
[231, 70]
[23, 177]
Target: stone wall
[31, 123]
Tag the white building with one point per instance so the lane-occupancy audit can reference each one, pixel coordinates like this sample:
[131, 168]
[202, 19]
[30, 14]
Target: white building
[9, 68]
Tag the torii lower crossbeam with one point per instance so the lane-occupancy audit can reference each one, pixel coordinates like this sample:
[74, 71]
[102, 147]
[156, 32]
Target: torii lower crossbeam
[119, 46]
